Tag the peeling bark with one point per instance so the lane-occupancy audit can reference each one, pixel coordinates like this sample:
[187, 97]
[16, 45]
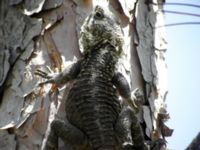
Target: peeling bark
[40, 33]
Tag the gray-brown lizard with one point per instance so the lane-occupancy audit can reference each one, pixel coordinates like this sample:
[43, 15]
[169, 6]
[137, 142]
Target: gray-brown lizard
[95, 117]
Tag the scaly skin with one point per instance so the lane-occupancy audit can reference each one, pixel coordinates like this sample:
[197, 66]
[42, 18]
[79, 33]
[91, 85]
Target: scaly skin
[92, 103]
[95, 118]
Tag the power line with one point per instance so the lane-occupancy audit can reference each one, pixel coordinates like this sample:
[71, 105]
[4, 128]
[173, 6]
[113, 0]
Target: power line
[179, 23]
[183, 4]
[181, 13]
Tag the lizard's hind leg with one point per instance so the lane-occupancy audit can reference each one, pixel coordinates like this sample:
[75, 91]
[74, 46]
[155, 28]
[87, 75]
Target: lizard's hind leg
[128, 131]
[123, 128]
[67, 132]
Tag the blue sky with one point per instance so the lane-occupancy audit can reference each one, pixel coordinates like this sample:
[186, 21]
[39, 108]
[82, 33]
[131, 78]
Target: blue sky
[183, 60]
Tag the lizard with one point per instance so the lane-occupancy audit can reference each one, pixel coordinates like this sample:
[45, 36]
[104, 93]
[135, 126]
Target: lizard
[95, 117]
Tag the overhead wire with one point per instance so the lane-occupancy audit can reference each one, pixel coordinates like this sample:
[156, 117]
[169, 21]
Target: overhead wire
[181, 13]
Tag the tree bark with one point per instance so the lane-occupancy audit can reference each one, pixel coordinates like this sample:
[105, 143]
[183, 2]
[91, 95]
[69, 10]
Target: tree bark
[35, 34]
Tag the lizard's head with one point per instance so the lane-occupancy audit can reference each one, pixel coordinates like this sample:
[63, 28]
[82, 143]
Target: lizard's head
[99, 28]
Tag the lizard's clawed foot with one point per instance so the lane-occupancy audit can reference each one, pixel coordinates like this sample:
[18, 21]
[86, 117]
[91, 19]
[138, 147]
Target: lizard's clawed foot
[46, 75]
[138, 97]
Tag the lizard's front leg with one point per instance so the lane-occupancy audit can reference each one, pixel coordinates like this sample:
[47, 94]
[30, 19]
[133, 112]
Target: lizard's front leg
[68, 74]
[123, 88]
[67, 132]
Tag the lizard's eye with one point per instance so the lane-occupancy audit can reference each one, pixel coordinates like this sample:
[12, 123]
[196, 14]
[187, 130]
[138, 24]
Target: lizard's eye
[99, 15]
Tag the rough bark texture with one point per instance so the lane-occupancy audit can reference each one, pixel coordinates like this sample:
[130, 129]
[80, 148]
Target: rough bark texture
[39, 33]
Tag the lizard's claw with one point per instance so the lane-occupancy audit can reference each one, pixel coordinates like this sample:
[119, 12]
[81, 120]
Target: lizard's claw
[131, 102]
[42, 74]
[46, 75]
[45, 82]
[138, 97]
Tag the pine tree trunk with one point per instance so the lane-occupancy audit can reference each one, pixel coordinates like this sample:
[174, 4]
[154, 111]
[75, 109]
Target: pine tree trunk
[40, 33]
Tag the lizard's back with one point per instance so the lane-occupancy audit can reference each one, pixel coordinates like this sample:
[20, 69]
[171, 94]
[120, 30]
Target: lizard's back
[93, 109]
[92, 103]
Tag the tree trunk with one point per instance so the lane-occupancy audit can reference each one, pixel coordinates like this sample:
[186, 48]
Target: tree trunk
[40, 33]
